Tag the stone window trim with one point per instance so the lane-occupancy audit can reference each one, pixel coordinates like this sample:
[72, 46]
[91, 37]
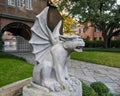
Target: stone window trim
[11, 2]
[21, 3]
[29, 4]
[26, 4]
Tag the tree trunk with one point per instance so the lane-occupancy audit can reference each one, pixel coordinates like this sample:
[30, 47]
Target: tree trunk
[109, 43]
[105, 38]
[105, 43]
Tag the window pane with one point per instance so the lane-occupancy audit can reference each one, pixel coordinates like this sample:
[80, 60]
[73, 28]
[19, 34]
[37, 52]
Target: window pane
[11, 2]
[28, 4]
[20, 3]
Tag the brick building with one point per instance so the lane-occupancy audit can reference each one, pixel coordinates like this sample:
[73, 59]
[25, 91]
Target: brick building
[17, 16]
[90, 33]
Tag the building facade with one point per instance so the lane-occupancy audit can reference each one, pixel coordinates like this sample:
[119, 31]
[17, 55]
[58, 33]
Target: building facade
[17, 16]
[89, 33]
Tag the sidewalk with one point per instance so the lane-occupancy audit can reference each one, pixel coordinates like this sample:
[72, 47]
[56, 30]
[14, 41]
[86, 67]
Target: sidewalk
[89, 72]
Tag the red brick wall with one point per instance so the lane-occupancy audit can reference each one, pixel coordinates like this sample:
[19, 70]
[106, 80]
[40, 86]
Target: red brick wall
[8, 21]
[90, 33]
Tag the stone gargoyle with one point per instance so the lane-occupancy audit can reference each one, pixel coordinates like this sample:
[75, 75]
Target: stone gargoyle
[51, 52]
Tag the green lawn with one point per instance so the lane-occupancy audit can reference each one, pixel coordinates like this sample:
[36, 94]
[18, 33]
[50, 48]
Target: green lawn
[13, 69]
[99, 57]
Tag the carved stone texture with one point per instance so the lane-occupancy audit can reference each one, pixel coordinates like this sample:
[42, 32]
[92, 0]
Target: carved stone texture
[76, 90]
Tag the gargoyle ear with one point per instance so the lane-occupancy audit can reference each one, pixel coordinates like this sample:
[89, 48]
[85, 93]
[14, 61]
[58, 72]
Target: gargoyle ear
[56, 31]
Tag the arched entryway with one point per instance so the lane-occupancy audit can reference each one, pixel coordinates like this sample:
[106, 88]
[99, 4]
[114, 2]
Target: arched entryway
[16, 36]
[18, 29]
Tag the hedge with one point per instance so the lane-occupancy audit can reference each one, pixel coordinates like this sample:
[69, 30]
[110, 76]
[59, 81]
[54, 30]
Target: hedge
[115, 43]
[88, 91]
[96, 89]
[1, 42]
[100, 44]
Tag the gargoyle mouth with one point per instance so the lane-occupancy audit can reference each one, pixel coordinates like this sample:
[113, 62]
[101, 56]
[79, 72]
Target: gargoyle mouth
[78, 47]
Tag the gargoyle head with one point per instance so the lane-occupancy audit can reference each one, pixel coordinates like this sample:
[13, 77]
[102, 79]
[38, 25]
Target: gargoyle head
[74, 42]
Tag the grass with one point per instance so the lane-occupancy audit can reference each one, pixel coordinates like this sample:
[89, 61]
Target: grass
[13, 69]
[99, 57]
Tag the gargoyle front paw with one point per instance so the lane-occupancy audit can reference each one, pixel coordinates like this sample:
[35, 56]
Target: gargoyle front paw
[52, 85]
[66, 85]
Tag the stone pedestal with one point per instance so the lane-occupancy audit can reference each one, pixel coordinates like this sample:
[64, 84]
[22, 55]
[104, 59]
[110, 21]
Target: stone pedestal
[76, 90]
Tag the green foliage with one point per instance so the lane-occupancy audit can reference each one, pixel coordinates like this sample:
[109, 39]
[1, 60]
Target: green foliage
[92, 10]
[94, 44]
[88, 91]
[1, 42]
[104, 14]
[100, 44]
[96, 89]
[115, 43]
[100, 88]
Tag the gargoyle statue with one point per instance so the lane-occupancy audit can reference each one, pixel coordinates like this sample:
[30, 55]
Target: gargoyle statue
[51, 52]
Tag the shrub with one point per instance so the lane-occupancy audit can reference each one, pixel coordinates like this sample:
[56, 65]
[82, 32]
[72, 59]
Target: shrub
[115, 43]
[88, 91]
[94, 44]
[100, 88]
[100, 44]
[1, 44]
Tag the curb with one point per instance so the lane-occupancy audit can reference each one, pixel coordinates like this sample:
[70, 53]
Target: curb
[14, 88]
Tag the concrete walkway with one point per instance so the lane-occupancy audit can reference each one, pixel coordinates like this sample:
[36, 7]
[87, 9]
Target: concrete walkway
[89, 72]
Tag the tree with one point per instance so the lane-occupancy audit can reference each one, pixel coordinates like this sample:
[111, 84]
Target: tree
[104, 14]
[68, 22]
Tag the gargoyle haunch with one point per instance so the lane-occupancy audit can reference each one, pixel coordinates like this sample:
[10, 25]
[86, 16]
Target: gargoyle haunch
[51, 52]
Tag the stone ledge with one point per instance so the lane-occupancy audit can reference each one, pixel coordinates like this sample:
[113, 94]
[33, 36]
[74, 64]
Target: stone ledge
[12, 89]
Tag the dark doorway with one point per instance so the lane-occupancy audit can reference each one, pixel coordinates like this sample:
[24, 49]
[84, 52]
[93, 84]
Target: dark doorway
[18, 29]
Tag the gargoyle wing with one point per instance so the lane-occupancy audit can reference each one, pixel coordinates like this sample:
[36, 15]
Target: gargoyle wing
[42, 38]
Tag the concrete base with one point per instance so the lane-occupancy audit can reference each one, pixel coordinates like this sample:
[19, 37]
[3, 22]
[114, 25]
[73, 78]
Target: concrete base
[30, 90]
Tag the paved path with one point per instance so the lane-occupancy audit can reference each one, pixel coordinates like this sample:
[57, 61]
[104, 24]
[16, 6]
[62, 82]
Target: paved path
[89, 72]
